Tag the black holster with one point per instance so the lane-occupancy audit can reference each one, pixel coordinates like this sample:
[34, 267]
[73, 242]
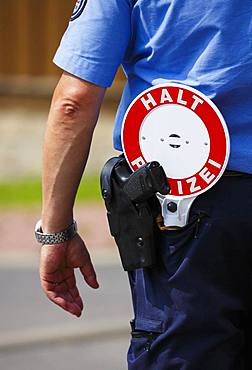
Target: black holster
[132, 223]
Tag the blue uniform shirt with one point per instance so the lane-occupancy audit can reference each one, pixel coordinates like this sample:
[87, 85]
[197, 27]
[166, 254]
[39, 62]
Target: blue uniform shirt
[206, 45]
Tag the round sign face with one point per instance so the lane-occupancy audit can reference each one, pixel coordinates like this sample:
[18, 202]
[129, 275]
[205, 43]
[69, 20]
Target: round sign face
[184, 131]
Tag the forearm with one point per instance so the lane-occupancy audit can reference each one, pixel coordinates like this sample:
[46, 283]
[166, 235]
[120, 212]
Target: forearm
[69, 131]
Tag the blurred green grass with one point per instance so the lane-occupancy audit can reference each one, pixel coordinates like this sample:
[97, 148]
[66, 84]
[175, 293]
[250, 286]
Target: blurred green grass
[27, 192]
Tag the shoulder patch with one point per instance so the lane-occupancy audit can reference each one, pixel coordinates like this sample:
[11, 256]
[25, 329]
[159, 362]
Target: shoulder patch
[78, 9]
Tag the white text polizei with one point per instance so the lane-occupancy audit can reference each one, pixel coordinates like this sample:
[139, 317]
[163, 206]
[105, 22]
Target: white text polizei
[191, 184]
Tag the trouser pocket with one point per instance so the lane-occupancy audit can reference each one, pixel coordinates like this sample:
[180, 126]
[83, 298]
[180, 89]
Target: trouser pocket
[140, 351]
[175, 245]
[145, 336]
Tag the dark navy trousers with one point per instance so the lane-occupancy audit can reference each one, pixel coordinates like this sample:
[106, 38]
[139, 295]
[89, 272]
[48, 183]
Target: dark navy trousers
[193, 309]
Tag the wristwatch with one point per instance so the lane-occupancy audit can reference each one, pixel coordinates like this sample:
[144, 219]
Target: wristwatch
[55, 238]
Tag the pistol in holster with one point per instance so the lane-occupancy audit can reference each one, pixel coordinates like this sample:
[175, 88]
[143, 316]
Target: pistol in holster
[132, 208]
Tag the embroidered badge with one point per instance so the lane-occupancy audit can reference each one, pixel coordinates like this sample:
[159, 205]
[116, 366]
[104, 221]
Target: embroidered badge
[78, 9]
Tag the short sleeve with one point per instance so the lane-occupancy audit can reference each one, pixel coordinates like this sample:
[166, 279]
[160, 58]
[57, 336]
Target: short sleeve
[96, 40]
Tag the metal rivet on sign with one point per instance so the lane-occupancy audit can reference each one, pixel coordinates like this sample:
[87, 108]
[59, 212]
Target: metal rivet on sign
[172, 207]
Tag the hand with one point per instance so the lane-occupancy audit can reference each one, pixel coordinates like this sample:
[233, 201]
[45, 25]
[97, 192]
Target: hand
[57, 264]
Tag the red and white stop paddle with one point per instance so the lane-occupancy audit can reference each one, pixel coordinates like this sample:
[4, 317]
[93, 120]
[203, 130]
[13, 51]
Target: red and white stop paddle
[185, 132]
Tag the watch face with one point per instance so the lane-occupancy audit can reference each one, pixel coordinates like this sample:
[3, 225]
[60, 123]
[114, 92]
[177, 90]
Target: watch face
[183, 130]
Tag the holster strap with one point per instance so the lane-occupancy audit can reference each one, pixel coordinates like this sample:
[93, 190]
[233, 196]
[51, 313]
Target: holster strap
[105, 179]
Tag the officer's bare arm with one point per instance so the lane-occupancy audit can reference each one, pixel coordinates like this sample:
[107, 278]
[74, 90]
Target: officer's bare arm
[72, 118]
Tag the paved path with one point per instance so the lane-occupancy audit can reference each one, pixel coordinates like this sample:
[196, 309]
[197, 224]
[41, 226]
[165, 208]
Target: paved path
[35, 334]
[106, 354]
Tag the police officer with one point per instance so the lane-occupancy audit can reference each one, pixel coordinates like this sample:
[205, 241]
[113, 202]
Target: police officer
[192, 310]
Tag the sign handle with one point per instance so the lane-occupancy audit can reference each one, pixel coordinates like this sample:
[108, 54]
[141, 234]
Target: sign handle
[175, 211]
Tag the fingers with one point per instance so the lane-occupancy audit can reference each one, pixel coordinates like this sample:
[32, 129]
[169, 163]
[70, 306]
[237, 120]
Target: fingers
[57, 274]
[63, 292]
[76, 297]
[88, 272]
[64, 301]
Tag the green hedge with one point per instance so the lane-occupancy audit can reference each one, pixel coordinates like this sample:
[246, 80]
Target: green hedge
[27, 192]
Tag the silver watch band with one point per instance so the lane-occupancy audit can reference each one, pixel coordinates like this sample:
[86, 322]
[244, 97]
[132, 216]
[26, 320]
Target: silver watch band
[55, 238]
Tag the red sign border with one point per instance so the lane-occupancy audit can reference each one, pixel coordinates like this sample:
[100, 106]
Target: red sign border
[134, 117]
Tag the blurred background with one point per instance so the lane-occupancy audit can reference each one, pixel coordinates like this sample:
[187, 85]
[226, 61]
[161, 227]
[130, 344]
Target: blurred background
[35, 334]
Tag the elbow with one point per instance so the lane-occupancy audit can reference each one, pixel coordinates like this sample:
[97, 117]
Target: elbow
[68, 106]
[76, 101]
